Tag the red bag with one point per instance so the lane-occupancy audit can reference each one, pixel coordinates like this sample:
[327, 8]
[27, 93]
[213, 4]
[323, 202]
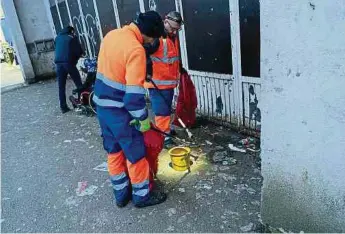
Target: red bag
[154, 143]
[187, 101]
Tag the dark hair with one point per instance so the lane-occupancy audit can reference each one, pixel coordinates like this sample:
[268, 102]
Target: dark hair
[174, 16]
[70, 29]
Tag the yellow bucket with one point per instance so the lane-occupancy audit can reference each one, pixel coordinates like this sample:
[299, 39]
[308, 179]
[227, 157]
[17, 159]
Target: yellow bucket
[180, 159]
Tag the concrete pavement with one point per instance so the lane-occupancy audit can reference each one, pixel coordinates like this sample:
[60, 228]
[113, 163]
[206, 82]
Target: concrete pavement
[49, 184]
[11, 77]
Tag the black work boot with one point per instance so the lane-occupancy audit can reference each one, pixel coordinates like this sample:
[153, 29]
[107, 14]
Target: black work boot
[65, 110]
[155, 198]
[126, 198]
[122, 203]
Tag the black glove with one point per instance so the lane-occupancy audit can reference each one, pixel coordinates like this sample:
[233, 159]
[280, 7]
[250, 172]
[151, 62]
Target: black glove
[148, 78]
[182, 70]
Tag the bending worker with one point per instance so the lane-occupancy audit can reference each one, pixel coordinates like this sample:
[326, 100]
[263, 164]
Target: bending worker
[120, 99]
[166, 72]
[67, 53]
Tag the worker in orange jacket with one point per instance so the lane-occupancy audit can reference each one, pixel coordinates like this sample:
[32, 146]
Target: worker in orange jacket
[166, 72]
[120, 99]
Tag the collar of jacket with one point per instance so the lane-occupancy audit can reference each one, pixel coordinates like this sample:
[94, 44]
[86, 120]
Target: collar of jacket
[133, 28]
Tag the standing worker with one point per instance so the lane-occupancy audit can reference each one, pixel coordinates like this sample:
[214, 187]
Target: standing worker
[120, 99]
[67, 53]
[166, 71]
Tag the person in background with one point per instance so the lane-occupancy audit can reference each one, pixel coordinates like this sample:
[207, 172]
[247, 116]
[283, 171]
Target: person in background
[90, 68]
[119, 96]
[83, 92]
[67, 53]
[150, 48]
[166, 72]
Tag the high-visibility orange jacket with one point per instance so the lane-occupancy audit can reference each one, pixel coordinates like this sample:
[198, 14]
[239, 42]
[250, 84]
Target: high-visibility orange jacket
[166, 64]
[121, 72]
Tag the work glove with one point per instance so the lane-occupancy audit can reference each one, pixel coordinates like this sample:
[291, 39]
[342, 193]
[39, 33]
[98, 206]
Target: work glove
[182, 70]
[141, 125]
[148, 78]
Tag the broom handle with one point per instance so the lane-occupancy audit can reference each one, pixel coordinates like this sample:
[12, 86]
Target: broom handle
[167, 134]
[190, 135]
[159, 131]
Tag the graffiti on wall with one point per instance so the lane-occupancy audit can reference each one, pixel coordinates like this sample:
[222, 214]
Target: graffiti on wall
[161, 6]
[92, 27]
[251, 109]
[215, 97]
[254, 110]
[152, 5]
[55, 17]
[87, 34]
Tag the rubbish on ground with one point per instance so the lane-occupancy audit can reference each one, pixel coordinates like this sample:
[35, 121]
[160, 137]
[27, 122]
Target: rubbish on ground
[215, 168]
[182, 219]
[102, 167]
[257, 171]
[229, 161]
[73, 201]
[234, 148]
[20, 189]
[80, 140]
[232, 161]
[252, 148]
[243, 187]
[83, 190]
[251, 191]
[224, 168]
[182, 190]
[226, 177]
[218, 147]
[171, 212]
[247, 228]
[151, 212]
[247, 141]
[204, 185]
[256, 203]
[219, 156]
[67, 141]
[198, 196]
[170, 229]
[209, 142]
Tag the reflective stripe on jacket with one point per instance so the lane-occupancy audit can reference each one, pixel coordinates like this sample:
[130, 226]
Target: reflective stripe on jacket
[121, 72]
[165, 63]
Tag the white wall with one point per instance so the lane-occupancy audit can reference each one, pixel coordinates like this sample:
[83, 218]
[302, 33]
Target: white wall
[33, 20]
[303, 112]
[18, 40]
[35, 26]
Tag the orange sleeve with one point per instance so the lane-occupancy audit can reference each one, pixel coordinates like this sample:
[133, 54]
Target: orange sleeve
[134, 98]
[136, 67]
